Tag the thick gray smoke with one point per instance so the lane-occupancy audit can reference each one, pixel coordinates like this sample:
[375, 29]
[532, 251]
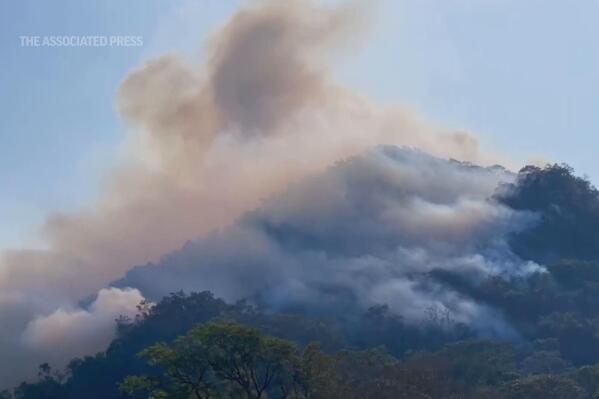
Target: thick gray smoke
[367, 231]
[34, 332]
[209, 143]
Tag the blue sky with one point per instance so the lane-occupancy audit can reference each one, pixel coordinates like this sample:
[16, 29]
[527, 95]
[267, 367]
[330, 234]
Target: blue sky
[523, 75]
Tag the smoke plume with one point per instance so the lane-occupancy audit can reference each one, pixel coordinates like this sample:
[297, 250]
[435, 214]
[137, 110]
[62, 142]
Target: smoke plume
[367, 231]
[209, 143]
[65, 333]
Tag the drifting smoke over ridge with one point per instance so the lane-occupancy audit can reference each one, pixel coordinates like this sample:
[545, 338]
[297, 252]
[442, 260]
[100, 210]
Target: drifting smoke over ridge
[209, 143]
[367, 231]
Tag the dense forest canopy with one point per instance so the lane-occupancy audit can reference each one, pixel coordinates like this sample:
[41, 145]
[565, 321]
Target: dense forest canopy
[568, 209]
[198, 346]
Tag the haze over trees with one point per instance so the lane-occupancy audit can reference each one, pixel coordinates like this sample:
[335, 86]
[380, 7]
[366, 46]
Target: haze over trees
[198, 346]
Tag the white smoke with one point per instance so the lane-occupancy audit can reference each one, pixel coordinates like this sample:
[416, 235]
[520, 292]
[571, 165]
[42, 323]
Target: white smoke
[367, 231]
[68, 333]
[209, 143]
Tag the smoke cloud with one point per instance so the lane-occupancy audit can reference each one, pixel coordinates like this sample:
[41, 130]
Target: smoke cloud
[67, 333]
[367, 231]
[34, 332]
[209, 143]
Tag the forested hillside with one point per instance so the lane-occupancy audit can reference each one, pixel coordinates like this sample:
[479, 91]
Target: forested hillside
[193, 345]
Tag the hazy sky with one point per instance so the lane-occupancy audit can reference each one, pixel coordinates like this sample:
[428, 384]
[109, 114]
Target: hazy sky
[523, 75]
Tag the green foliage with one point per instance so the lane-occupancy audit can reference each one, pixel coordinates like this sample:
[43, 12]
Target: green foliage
[472, 363]
[568, 210]
[218, 358]
[243, 356]
[47, 387]
[588, 378]
[140, 386]
[544, 362]
[544, 387]
[187, 349]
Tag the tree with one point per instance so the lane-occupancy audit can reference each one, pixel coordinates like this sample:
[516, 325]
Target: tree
[577, 336]
[317, 377]
[186, 371]
[245, 357]
[474, 363]
[218, 358]
[588, 378]
[47, 386]
[544, 387]
[544, 362]
[568, 211]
